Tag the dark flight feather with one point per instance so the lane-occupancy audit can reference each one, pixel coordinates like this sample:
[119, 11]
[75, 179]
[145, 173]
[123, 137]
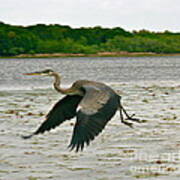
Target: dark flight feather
[64, 109]
[96, 109]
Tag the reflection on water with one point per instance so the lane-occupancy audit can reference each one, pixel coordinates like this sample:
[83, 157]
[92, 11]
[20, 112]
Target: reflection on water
[150, 87]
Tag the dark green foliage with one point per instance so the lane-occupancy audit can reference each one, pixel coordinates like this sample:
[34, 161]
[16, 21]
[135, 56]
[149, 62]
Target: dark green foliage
[15, 40]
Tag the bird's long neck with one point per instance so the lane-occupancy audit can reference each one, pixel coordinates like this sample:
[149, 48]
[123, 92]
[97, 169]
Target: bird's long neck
[57, 84]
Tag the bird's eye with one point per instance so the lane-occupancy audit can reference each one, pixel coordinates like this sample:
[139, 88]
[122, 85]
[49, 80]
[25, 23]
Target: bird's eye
[48, 71]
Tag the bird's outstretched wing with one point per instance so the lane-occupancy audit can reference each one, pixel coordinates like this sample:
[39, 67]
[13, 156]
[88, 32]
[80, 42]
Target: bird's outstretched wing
[96, 108]
[63, 110]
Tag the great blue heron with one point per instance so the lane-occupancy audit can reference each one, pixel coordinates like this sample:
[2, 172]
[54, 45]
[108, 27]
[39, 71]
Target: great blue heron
[93, 104]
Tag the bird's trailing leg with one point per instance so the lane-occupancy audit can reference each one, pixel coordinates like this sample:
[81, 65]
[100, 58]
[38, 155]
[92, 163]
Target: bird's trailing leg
[123, 120]
[128, 117]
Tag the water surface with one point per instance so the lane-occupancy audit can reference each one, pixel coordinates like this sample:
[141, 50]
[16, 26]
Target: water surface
[100, 69]
[150, 87]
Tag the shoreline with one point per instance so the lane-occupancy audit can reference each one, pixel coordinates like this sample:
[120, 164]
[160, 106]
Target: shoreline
[100, 54]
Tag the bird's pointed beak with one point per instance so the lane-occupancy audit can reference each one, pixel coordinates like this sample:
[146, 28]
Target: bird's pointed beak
[34, 74]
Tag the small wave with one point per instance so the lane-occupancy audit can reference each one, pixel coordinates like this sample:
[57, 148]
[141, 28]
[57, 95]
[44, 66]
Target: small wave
[16, 88]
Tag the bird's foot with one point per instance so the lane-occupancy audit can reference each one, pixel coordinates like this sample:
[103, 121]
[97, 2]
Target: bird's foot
[130, 118]
[127, 123]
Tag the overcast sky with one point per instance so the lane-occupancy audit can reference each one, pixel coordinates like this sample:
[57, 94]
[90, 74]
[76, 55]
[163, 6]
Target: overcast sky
[154, 15]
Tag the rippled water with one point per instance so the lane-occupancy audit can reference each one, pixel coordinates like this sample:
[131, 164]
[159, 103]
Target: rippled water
[150, 87]
[114, 70]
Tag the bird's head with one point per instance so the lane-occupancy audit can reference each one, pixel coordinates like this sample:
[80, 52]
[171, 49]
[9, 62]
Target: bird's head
[47, 72]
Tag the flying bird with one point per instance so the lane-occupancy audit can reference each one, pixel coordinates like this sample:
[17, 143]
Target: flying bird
[92, 103]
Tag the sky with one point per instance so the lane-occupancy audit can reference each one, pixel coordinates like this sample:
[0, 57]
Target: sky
[153, 15]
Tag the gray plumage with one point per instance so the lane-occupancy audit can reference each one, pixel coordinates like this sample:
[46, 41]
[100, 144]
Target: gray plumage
[92, 103]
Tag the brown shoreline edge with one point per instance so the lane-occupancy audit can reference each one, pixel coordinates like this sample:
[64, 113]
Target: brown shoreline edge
[100, 54]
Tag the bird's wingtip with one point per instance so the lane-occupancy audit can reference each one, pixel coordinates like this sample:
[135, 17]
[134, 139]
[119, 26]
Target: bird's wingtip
[70, 147]
[27, 137]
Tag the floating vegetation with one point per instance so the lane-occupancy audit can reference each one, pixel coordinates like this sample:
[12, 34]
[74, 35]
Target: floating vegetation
[148, 175]
[79, 169]
[170, 118]
[33, 178]
[4, 171]
[119, 148]
[145, 100]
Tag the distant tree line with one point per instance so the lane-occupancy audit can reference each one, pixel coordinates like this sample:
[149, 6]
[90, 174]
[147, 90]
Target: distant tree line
[40, 38]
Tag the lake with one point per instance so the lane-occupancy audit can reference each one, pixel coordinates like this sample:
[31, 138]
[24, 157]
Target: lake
[150, 88]
[109, 70]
